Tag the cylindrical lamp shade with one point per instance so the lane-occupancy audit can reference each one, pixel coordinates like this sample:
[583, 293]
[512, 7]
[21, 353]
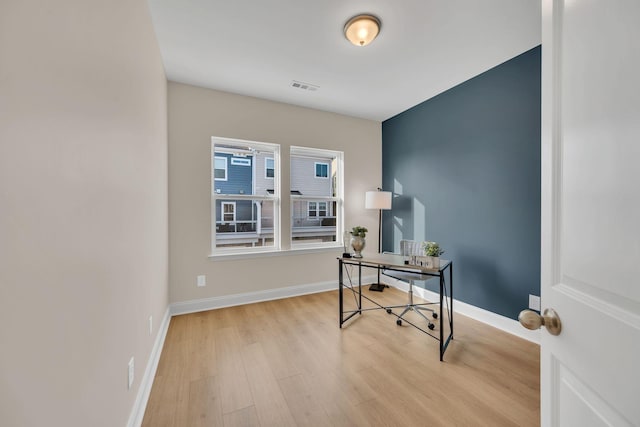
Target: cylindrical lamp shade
[377, 200]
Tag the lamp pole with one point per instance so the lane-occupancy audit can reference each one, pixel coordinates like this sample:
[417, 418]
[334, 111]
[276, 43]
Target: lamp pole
[379, 231]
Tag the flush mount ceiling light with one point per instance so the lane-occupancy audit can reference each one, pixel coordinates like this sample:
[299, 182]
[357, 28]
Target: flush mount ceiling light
[362, 29]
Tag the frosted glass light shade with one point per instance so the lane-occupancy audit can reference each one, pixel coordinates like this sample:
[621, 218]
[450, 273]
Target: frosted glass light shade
[377, 200]
[362, 29]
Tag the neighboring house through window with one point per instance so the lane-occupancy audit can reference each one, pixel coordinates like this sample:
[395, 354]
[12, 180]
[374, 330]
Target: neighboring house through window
[246, 197]
[244, 216]
[317, 208]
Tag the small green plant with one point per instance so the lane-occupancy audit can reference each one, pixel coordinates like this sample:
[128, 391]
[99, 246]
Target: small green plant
[359, 231]
[432, 249]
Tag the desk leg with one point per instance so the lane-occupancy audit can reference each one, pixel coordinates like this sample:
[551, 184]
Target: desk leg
[441, 318]
[340, 286]
[360, 288]
[451, 296]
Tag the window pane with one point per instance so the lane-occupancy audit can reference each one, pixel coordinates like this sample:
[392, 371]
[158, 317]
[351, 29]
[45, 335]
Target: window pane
[234, 171]
[248, 223]
[315, 219]
[243, 202]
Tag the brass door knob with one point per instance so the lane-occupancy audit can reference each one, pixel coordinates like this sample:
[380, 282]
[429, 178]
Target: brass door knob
[532, 320]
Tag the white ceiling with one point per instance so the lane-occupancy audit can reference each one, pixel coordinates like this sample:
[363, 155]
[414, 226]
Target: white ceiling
[257, 47]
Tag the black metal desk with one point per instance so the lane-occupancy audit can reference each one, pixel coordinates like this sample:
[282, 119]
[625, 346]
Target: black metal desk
[396, 263]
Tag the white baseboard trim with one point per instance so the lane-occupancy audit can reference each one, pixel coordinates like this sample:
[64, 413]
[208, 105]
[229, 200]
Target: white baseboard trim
[492, 319]
[144, 390]
[204, 304]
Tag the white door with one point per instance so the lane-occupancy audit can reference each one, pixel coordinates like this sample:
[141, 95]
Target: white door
[591, 212]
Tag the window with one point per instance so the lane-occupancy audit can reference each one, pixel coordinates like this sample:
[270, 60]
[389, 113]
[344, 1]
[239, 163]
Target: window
[316, 209]
[220, 169]
[322, 170]
[240, 162]
[246, 197]
[316, 204]
[269, 170]
[245, 215]
[322, 208]
[228, 211]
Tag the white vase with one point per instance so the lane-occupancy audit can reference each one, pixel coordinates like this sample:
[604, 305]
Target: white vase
[357, 243]
[435, 262]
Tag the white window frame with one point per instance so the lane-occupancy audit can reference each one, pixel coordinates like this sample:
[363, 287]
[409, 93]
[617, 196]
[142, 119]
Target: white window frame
[266, 168]
[222, 212]
[315, 169]
[317, 209]
[338, 198]
[226, 168]
[320, 210]
[311, 209]
[275, 198]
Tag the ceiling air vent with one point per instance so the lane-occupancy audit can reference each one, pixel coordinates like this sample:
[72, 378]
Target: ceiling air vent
[304, 86]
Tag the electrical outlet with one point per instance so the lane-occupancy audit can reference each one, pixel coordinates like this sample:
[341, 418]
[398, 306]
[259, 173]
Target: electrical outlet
[131, 372]
[534, 302]
[150, 325]
[202, 281]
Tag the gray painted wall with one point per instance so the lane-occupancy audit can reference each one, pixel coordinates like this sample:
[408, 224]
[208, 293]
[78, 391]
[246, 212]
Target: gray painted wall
[465, 170]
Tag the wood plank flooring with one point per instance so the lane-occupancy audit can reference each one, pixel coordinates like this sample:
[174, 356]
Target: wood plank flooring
[287, 363]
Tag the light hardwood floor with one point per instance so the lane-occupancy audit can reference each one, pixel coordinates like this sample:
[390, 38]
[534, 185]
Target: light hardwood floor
[287, 363]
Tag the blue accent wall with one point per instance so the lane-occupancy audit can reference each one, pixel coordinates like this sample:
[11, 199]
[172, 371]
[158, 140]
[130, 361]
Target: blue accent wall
[465, 170]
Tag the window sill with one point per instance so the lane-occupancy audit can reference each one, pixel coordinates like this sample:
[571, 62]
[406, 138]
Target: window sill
[274, 253]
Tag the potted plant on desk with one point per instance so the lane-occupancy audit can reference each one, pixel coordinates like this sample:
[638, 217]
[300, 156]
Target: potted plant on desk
[433, 251]
[357, 240]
